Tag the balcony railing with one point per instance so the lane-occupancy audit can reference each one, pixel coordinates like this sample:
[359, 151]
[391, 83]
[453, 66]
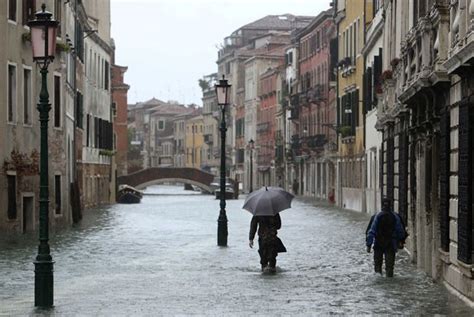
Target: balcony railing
[316, 141]
[263, 127]
[208, 139]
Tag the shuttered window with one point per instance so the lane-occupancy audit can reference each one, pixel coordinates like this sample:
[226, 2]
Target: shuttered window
[57, 101]
[11, 183]
[29, 9]
[465, 184]
[403, 171]
[444, 150]
[57, 193]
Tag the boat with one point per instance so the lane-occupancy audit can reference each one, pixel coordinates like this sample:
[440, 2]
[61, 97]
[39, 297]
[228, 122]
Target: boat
[128, 195]
[230, 188]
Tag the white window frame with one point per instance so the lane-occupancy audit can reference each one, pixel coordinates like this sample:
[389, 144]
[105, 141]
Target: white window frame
[15, 94]
[30, 107]
[8, 13]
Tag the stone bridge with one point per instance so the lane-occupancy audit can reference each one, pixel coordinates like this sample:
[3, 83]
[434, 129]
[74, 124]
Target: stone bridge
[159, 175]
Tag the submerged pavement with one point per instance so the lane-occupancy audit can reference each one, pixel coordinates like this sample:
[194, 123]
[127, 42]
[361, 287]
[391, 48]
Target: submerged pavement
[160, 258]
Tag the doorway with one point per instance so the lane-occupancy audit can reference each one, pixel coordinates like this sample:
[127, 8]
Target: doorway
[28, 213]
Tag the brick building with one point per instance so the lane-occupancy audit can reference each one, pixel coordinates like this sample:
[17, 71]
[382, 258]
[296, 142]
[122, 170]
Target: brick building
[120, 112]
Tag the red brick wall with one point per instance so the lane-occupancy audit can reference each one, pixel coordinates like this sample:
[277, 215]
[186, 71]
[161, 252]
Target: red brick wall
[119, 97]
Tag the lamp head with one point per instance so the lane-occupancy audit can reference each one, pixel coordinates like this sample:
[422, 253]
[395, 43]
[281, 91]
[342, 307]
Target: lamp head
[43, 36]
[223, 92]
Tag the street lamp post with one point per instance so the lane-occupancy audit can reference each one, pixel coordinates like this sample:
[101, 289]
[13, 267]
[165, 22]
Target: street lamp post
[251, 147]
[222, 91]
[43, 42]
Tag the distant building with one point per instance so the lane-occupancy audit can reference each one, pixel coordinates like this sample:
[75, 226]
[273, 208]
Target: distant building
[373, 52]
[210, 115]
[120, 112]
[96, 166]
[194, 140]
[351, 17]
[138, 126]
[313, 104]
[231, 59]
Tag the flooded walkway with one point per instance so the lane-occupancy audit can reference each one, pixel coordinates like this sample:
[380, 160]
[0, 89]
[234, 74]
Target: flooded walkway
[160, 258]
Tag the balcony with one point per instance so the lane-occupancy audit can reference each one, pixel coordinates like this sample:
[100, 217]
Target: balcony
[422, 61]
[316, 94]
[316, 141]
[295, 142]
[208, 139]
[263, 127]
[347, 66]
[461, 48]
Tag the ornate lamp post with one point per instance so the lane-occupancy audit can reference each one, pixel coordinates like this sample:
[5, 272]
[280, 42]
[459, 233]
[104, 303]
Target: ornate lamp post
[222, 92]
[251, 147]
[43, 42]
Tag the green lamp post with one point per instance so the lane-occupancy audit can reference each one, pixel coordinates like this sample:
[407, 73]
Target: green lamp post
[43, 42]
[222, 92]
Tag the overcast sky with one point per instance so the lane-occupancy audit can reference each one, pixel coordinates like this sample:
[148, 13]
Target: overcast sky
[169, 44]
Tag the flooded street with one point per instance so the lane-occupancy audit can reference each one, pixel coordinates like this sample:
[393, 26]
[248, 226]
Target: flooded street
[160, 258]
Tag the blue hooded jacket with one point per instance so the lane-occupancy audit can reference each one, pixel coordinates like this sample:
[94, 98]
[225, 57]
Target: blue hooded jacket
[397, 235]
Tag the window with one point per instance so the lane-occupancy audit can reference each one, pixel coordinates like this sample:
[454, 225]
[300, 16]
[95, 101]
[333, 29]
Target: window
[80, 42]
[29, 9]
[88, 129]
[57, 101]
[161, 125]
[11, 182]
[12, 10]
[27, 101]
[57, 193]
[106, 76]
[57, 14]
[79, 110]
[11, 102]
[114, 109]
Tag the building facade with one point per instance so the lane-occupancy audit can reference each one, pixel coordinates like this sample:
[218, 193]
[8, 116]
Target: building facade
[210, 115]
[194, 140]
[372, 95]
[120, 113]
[96, 163]
[425, 116]
[351, 18]
[313, 144]
[19, 126]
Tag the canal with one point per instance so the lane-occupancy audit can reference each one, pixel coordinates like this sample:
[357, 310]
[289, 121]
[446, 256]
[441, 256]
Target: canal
[160, 258]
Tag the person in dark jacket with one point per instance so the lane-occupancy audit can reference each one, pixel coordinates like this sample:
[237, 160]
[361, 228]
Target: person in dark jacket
[385, 233]
[268, 242]
[295, 186]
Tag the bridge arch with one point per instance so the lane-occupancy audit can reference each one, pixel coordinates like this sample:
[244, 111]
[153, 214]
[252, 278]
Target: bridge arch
[158, 175]
[174, 180]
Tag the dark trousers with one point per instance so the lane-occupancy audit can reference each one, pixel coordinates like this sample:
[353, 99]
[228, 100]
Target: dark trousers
[389, 254]
[268, 253]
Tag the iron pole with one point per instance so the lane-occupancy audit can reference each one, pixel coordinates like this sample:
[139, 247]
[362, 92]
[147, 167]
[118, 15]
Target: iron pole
[222, 221]
[44, 287]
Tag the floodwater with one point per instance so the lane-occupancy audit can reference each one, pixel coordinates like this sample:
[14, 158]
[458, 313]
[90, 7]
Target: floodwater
[160, 258]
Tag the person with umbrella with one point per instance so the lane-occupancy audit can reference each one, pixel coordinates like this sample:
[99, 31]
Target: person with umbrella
[265, 205]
